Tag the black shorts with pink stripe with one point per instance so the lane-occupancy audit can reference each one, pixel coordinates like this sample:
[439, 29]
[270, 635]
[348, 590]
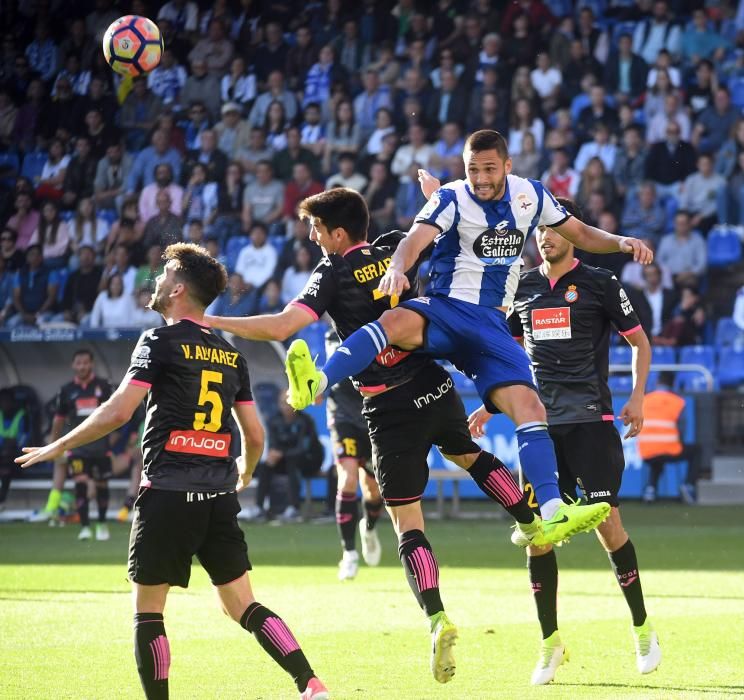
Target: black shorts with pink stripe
[405, 423]
[171, 527]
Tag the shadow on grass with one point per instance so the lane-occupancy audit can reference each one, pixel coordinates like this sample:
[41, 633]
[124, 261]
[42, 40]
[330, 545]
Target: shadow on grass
[734, 690]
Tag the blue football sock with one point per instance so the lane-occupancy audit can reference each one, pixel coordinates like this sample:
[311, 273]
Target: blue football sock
[537, 457]
[356, 353]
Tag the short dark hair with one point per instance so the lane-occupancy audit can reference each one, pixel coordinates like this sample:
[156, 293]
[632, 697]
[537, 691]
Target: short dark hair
[666, 378]
[570, 206]
[82, 351]
[339, 207]
[11, 231]
[205, 278]
[487, 140]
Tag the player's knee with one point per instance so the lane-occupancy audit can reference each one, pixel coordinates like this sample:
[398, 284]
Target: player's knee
[401, 327]
[463, 461]
[348, 475]
[612, 534]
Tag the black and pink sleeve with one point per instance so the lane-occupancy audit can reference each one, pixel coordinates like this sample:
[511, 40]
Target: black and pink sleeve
[619, 309]
[245, 394]
[148, 359]
[320, 289]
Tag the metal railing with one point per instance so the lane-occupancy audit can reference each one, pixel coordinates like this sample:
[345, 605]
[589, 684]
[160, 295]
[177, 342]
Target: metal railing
[669, 367]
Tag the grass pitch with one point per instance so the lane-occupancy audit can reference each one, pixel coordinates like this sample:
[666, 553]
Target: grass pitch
[65, 615]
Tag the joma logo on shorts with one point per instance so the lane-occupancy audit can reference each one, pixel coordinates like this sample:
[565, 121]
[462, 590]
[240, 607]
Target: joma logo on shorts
[427, 398]
[198, 442]
[599, 494]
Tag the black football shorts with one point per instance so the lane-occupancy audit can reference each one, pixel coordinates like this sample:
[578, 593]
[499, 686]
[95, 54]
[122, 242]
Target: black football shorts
[350, 441]
[97, 468]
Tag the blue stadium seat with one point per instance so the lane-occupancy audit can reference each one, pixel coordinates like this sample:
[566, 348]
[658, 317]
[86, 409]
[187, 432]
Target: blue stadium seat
[698, 355]
[736, 87]
[694, 381]
[314, 336]
[108, 215]
[621, 355]
[266, 396]
[731, 367]
[33, 164]
[67, 215]
[724, 246]
[670, 209]
[620, 383]
[652, 381]
[10, 164]
[662, 355]
[278, 243]
[726, 332]
[61, 275]
[232, 250]
[622, 28]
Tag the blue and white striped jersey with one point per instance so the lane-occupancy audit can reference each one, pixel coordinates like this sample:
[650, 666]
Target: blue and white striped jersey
[477, 255]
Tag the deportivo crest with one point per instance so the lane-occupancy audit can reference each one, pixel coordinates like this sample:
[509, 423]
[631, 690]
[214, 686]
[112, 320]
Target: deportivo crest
[525, 203]
[430, 207]
[571, 294]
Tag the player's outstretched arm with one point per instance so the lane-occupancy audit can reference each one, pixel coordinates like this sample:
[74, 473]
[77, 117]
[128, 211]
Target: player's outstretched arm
[394, 281]
[252, 441]
[595, 240]
[265, 327]
[632, 413]
[106, 418]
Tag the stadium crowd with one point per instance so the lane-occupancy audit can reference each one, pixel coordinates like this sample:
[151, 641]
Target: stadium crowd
[635, 108]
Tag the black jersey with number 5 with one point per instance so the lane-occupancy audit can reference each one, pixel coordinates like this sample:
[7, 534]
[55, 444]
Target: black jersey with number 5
[194, 378]
[566, 329]
[345, 286]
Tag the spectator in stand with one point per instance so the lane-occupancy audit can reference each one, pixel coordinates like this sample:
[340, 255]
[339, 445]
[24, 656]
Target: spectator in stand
[417, 150]
[521, 43]
[490, 116]
[236, 300]
[219, 10]
[321, 76]
[683, 253]
[673, 111]
[687, 323]
[66, 112]
[715, 123]
[408, 199]
[597, 112]
[653, 303]
[271, 55]
[271, 299]
[142, 316]
[198, 121]
[151, 269]
[42, 53]
[225, 219]
[183, 14]
[199, 196]
[312, 130]
[347, 175]
[380, 195]
[113, 307]
[276, 90]
[656, 33]
[202, 87]
[383, 127]
[99, 97]
[701, 92]
[128, 229]
[168, 79]
[625, 72]
[88, 229]
[215, 49]
[595, 179]
[449, 144]
[731, 199]
[53, 173]
[632, 275]
[34, 291]
[138, 114]
[368, 102]
[12, 257]
[233, 133]
[7, 280]
[547, 80]
[238, 85]
[256, 151]
[284, 160]
[80, 175]
[99, 133]
[385, 156]
[195, 234]
[630, 161]
[669, 162]
[701, 41]
[656, 95]
[163, 183]
[526, 162]
[301, 185]
[298, 235]
[560, 179]
[74, 72]
[119, 263]
[581, 68]
[343, 135]
[594, 39]
[81, 289]
[701, 193]
[352, 51]
[295, 277]
[53, 235]
[491, 85]
[301, 56]
[275, 126]
[31, 116]
[727, 162]
[256, 262]
[143, 168]
[25, 220]
[263, 199]
[449, 102]
[164, 227]
[79, 43]
[209, 155]
[599, 147]
[643, 214]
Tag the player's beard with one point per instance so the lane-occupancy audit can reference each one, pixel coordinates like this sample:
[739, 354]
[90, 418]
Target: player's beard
[491, 194]
[160, 299]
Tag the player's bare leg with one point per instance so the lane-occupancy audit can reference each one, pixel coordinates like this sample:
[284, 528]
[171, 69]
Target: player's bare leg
[422, 572]
[271, 632]
[372, 502]
[347, 515]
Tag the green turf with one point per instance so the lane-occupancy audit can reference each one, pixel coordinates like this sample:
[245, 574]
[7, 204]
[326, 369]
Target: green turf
[65, 615]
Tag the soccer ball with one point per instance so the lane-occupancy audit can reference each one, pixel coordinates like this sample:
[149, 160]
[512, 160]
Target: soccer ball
[133, 45]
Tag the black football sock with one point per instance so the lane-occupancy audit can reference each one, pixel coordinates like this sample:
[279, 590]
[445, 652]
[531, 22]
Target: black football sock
[422, 570]
[544, 579]
[102, 499]
[347, 517]
[372, 510]
[625, 565]
[81, 502]
[493, 478]
[152, 652]
[277, 640]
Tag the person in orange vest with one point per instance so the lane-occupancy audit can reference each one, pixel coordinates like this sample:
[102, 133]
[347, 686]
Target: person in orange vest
[660, 440]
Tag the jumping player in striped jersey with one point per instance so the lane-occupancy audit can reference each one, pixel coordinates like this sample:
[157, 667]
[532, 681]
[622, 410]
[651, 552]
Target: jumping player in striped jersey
[478, 227]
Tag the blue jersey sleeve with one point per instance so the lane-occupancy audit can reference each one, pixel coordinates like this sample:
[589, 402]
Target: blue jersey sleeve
[440, 210]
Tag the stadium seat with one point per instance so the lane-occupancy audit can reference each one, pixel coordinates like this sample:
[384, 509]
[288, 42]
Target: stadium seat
[622, 28]
[61, 277]
[278, 243]
[67, 215]
[621, 383]
[10, 164]
[232, 250]
[663, 356]
[726, 332]
[731, 367]
[698, 355]
[314, 336]
[621, 355]
[266, 396]
[652, 381]
[670, 209]
[108, 215]
[736, 88]
[33, 164]
[724, 246]
[694, 381]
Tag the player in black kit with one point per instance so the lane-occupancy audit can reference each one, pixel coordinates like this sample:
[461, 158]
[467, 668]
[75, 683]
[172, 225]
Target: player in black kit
[563, 312]
[410, 402]
[188, 504]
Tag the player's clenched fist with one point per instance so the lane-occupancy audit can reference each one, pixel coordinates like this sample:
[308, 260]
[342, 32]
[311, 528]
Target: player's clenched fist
[393, 282]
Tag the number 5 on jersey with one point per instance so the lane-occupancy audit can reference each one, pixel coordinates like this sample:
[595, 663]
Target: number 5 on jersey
[209, 397]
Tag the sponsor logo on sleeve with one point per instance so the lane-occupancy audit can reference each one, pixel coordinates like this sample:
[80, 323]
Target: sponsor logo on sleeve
[551, 324]
[141, 357]
[625, 305]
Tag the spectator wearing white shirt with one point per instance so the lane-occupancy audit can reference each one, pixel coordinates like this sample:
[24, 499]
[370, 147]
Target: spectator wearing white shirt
[383, 127]
[233, 133]
[114, 307]
[657, 33]
[700, 194]
[238, 85]
[347, 175]
[368, 102]
[53, 235]
[523, 120]
[257, 261]
[546, 79]
[53, 173]
[163, 181]
[78, 78]
[295, 277]
[87, 229]
[118, 263]
[673, 111]
[600, 147]
[415, 151]
[683, 253]
[312, 130]
[167, 80]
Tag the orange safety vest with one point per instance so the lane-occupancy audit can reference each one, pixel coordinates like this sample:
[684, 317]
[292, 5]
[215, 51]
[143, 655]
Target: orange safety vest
[660, 434]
